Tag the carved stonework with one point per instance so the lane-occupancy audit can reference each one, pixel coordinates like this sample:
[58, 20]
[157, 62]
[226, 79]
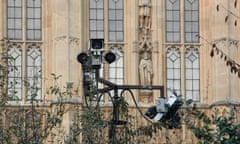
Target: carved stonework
[38, 45]
[145, 46]
[145, 62]
[228, 42]
[145, 14]
[73, 41]
[60, 38]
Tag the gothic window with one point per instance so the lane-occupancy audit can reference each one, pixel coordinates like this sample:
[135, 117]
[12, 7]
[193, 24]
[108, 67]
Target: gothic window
[116, 68]
[173, 21]
[173, 71]
[106, 22]
[34, 20]
[96, 19]
[192, 74]
[34, 72]
[24, 34]
[182, 68]
[14, 73]
[191, 21]
[115, 20]
[14, 19]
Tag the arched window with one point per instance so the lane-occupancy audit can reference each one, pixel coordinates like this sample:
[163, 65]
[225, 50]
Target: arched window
[182, 29]
[116, 68]
[34, 72]
[192, 74]
[14, 73]
[173, 71]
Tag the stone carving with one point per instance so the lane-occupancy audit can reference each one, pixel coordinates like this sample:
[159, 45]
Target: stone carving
[145, 66]
[144, 13]
[145, 45]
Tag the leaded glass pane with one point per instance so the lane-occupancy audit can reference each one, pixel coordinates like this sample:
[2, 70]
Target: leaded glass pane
[30, 3]
[195, 27]
[172, 21]
[18, 2]
[189, 85]
[191, 5]
[18, 12]
[37, 23]
[177, 73]
[11, 12]
[92, 14]
[191, 21]
[177, 85]
[111, 15]
[30, 24]
[96, 19]
[173, 4]
[34, 72]
[92, 4]
[14, 19]
[33, 19]
[37, 34]
[115, 20]
[119, 36]
[119, 14]
[30, 33]
[18, 24]
[18, 34]
[176, 26]
[99, 4]
[196, 74]
[100, 34]
[11, 2]
[196, 84]
[10, 23]
[112, 25]
[192, 74]
[93, 34]
[30, 13]
[100, 25]
[116, 68]
[169, 14]
[99, 14]
[176, 15]
[119, 26]
[37, 13]
[189, 73]
[93, 25]
[173, 71]
[111, 4]
[14, 73]
[170, 74]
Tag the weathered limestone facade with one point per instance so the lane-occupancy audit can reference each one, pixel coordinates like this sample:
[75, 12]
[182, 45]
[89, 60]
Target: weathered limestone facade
[65, 33]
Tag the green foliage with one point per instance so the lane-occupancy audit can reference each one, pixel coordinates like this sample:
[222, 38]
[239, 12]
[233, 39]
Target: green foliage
[29, 124]
[213, 129]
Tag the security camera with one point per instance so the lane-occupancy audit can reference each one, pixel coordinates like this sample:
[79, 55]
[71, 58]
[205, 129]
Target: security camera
[165, 109]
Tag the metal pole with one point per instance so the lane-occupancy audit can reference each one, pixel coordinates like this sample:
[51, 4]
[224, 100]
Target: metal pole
[115, 118]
